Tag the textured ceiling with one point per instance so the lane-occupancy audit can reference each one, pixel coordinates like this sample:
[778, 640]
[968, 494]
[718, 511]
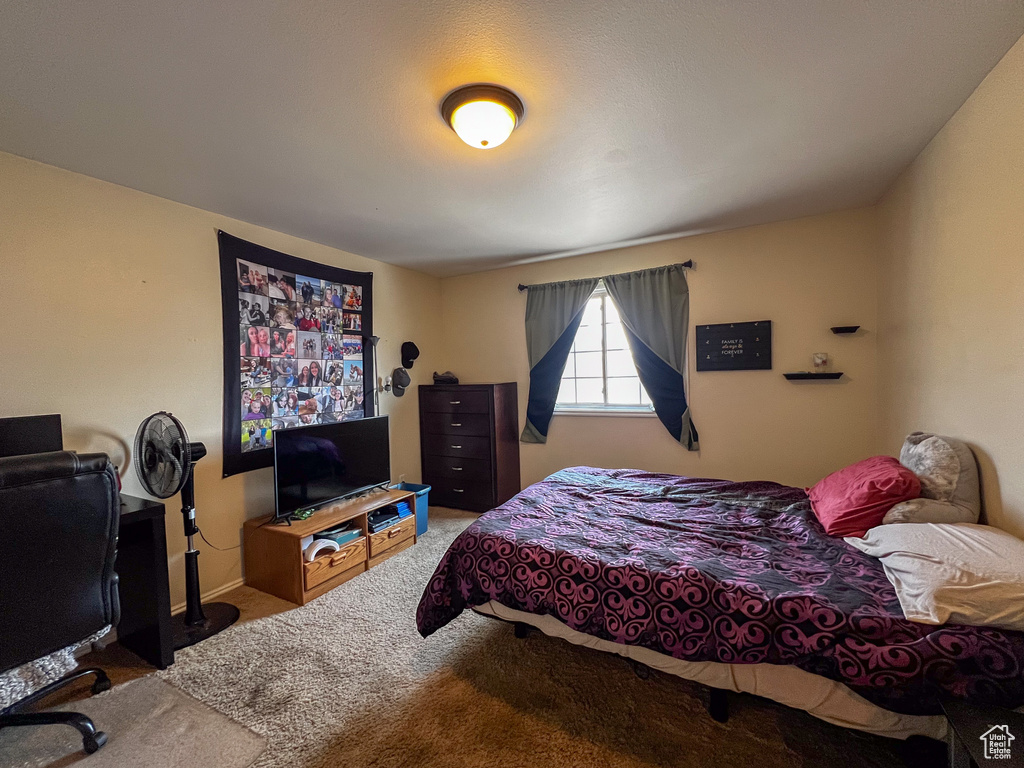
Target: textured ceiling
[320, 118]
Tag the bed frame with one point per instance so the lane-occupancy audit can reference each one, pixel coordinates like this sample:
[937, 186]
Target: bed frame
[835, 703]
[718, 699]
[915, 750]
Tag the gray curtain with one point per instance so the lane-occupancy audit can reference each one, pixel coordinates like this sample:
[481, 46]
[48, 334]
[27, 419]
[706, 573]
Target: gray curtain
[553, 314]
[654, 305]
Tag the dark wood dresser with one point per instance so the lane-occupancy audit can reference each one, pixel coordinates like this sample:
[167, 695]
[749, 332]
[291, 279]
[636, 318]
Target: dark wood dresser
[469, 444]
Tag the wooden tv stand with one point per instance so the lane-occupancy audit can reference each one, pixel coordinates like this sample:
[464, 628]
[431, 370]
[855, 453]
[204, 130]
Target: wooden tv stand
[273, 551]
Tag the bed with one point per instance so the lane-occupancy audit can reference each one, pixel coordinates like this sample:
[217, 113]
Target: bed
[734, 585]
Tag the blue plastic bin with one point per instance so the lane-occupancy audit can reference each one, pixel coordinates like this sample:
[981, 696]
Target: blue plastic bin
[421, 492]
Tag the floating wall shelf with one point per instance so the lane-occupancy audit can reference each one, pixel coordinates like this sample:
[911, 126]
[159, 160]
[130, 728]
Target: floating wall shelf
[839, 329]
[810, 376]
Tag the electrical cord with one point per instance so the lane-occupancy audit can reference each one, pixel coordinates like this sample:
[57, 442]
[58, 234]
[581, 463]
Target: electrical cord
[228, 549]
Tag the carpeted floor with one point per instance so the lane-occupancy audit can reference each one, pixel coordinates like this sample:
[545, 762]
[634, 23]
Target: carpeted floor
[150, 724]
[347, 680]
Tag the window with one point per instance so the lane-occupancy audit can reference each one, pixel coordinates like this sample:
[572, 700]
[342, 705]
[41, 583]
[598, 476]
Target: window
[600, 374]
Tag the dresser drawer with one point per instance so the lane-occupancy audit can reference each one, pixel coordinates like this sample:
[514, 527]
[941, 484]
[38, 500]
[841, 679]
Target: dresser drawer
[467, 446]
[453, 401]
[456, 468]
[393, 536]
[476, 496]
[457, 424]
[330, 565]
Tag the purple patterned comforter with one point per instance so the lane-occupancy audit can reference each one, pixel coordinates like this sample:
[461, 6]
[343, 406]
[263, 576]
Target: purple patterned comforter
[710, 570]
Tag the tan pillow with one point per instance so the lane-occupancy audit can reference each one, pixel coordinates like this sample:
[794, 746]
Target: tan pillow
[952, 573]
[948, 472]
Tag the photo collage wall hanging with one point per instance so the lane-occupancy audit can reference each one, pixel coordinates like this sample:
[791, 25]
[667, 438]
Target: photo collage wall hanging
[296, 354]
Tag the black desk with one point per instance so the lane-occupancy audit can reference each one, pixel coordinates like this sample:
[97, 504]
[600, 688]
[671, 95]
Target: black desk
[145, 625]
[974, 730]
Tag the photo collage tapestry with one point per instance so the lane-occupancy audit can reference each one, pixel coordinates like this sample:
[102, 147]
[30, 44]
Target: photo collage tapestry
[293, 348]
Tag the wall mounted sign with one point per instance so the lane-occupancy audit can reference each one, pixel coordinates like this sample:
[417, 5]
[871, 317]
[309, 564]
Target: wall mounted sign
[293, 347]
[735, 346]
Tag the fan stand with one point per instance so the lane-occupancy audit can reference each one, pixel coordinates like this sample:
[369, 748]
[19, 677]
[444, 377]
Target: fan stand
[199, 621]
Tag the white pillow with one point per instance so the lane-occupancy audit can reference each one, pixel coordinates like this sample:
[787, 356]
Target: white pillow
[957, 573]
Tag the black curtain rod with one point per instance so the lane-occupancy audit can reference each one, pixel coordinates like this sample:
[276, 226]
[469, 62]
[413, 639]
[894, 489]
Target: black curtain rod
[686, 265]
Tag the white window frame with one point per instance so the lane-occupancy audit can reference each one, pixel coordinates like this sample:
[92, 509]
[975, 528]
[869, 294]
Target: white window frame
[597, 409]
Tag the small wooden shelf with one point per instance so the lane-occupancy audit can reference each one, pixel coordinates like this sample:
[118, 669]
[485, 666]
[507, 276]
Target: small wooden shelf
[844, 329]
[811, 376]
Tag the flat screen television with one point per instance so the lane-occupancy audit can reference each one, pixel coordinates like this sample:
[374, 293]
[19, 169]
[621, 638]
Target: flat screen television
[323, 463]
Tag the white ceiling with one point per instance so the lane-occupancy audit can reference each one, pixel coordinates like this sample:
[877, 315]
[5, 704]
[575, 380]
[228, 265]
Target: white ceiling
[320, 118]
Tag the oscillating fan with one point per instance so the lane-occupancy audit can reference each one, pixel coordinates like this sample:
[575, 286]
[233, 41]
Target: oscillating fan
[165, 460]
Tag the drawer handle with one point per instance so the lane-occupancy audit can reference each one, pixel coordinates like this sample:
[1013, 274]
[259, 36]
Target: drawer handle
[458, 490]
[340, 558]
[456, 469]
[454, 424]
[392, 534]
[456, 446]
[454, 402]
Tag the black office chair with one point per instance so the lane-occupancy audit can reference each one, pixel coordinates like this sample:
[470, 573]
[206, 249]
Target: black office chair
[59, 515]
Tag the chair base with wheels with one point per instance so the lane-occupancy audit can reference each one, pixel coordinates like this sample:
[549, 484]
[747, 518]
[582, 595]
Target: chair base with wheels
[92, 739]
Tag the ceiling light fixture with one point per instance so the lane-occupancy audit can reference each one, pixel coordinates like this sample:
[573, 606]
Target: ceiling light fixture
[482, 115]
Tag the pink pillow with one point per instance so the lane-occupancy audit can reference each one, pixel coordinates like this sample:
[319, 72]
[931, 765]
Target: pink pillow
[856, 498]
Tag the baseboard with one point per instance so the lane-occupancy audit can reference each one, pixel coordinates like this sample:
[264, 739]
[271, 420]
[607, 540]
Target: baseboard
[213, 593]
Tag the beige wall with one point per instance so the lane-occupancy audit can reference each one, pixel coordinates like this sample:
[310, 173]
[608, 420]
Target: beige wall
[112, 309]
[804, 275]
[951, 353]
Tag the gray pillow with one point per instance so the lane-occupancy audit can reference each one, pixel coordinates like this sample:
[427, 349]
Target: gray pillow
[949, 481]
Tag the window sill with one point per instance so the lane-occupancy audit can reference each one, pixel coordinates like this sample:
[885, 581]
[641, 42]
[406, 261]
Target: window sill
[599, 411]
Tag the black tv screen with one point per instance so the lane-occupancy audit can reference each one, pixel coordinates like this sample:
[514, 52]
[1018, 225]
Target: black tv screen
[315, 465]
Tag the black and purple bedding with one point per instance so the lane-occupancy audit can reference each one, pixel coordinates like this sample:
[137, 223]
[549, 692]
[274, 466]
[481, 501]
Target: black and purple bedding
[710, 570]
